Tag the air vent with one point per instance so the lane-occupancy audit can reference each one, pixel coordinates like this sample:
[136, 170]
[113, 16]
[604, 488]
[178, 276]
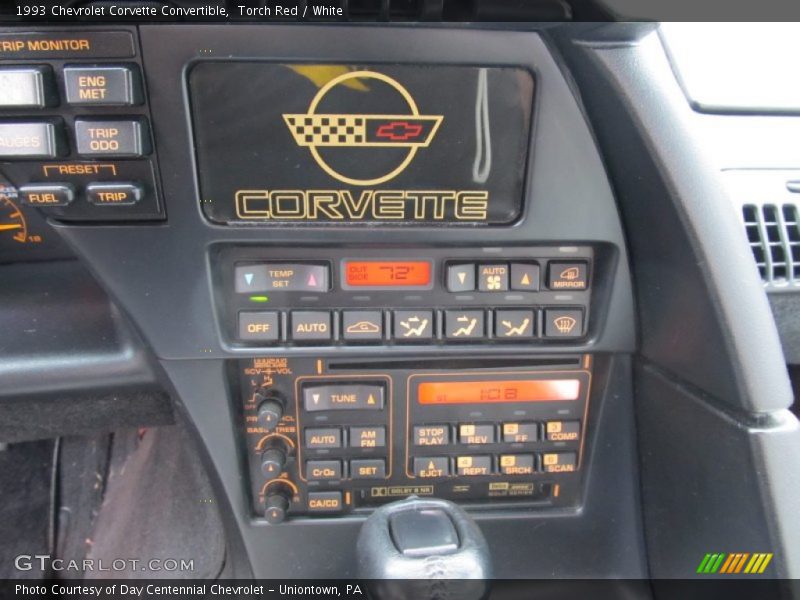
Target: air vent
[774, 236]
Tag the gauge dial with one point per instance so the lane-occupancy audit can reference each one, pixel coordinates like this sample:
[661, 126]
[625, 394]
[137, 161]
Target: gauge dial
[12, 221]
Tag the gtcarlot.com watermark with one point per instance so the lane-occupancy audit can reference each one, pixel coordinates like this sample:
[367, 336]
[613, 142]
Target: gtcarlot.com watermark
[44, 562]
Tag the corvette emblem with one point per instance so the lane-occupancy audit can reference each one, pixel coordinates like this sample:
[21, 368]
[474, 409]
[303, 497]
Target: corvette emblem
[316, 130]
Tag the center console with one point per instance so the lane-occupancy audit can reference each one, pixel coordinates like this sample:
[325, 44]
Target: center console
[366, 271]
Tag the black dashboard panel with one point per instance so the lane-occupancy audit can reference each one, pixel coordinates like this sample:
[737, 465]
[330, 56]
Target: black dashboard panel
[250, 323]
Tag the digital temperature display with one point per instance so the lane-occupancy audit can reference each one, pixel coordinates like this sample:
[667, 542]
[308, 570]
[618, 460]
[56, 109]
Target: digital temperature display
[475, 392]
[377, 274]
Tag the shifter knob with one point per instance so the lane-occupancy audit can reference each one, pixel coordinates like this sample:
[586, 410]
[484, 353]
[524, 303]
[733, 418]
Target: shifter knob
[426, 543]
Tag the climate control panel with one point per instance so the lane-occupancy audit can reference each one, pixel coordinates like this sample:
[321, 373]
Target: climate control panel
[330, 437]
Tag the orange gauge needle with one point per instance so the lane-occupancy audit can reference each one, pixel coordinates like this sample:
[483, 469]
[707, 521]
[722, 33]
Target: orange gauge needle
[10, 226]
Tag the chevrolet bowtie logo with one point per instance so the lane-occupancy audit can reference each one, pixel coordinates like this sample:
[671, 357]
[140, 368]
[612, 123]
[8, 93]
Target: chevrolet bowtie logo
[316, 130]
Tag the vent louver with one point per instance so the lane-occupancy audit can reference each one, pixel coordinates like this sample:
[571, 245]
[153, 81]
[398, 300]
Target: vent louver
[773, 232]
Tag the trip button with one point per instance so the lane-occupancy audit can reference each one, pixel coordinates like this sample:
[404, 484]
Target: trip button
[261, 326]
[323, 470]
[368, 469]
[429, 467]
[567, 276]
[311, 325]
[323, 437]
[412, 325]
[493, 277]
[27, 87]
[524, 277]
[106, 85]
[464, 324]
[461, 278]
[564, 323]
[47, 194]
[520, 432]
[431, 435]
[113, 194]
[30, 140]
[476, 434]
[123, 138]
[324, 502]
[559, 462]
[516, 464]
[563, 431]
[474, 466]
[514, 324]
[343, 397]
[367, 437]
[362, 325]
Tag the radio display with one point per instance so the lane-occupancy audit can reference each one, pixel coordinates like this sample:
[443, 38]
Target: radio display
[504, 391]
[387, 273]
[360, 144]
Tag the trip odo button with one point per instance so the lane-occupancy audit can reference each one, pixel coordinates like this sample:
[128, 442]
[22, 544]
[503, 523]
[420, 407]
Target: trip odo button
[119, 137]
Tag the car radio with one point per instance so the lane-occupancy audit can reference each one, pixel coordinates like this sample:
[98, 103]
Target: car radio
[330, 437]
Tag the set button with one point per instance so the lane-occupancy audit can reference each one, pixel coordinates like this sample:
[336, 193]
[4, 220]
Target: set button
[368, 468]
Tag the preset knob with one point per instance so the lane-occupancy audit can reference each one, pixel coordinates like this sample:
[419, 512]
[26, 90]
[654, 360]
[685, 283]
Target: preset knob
[270, 410]
[276, 507]
[272, 462]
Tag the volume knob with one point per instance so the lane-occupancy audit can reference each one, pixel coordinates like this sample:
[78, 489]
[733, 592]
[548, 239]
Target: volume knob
[270, 411]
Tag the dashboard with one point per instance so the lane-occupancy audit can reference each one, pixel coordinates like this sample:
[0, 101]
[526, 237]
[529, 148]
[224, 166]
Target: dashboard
[438, 262]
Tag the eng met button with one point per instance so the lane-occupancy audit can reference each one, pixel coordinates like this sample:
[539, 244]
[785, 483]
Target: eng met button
[107, 85]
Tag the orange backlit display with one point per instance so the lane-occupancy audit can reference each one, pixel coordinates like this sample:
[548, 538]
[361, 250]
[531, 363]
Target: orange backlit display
[387, 273]
[472, 392]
